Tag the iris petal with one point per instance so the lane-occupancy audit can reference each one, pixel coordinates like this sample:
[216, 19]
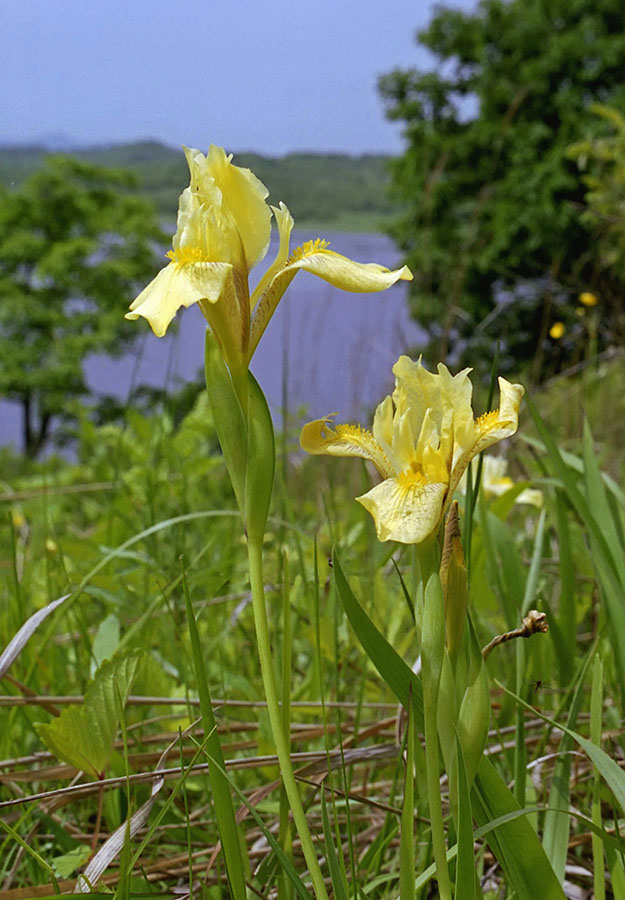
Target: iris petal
[408, 513]
[175, 286]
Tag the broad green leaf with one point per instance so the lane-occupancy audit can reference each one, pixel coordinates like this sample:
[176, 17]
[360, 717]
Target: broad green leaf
[228, 416]
[82, 736]
[395, 672]
[515, 843]
[475, 708]
[66, 865]
[106, 641]
[465, 867]
[261, 461]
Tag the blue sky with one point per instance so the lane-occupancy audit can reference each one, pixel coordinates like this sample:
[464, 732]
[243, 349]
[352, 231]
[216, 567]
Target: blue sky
[261, 75]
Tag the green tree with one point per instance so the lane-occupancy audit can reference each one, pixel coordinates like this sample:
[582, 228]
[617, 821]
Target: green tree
[602, 157]
[75, 247]
[492, 226]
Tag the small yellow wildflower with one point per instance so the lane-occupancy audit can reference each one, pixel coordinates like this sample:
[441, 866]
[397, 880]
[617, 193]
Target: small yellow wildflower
[586, 298]
[424, 436]
[557, 330]
[17, 519]
[224, 226]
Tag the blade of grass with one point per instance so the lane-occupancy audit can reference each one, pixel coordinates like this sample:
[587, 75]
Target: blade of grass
[596, 717]
[339, 885]
[395, 672]
[236, 866]
[285, 837]
[556, 827]
[612, 774]
[406, 834]
[603, 558]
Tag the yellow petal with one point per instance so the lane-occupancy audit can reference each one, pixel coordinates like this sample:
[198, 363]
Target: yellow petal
[178, 285]
[285, 223]
[404, 509]
[344, 273]
[242, 198]
[490, 428]
[314, 257]
[319, 438]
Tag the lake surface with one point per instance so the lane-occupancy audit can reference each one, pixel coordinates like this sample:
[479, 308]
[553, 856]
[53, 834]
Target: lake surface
[335, 349]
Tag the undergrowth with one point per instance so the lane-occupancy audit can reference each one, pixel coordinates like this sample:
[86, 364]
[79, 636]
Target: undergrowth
[147, 509]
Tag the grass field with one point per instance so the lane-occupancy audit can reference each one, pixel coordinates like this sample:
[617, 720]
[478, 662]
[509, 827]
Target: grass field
[146, 516]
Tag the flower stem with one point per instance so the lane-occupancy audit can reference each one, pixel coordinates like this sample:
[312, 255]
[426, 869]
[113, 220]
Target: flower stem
[432, 652]
[255, 557]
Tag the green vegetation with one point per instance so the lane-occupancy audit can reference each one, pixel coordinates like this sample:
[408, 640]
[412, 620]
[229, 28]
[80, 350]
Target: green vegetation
[345, 193]
[216, 680]
[73, 241]
[149, 501]
[494, 228]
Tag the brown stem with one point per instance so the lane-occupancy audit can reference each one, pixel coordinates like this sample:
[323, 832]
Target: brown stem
[534, 622]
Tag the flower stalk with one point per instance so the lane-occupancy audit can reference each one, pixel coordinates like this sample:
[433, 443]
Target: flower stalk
[255, 557]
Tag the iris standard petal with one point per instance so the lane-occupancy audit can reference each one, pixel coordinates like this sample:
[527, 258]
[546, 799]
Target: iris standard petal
[405, 509]
[490, 428]
[285, 223]
[178, 285]
[241, 198]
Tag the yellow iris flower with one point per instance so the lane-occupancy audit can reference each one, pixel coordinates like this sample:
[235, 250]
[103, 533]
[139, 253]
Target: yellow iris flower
[224, 226]
[424, 436]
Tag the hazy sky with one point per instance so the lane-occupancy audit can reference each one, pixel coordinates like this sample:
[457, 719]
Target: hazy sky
[261, 75]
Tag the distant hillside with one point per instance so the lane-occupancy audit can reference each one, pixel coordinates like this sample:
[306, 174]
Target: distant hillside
[337, 191]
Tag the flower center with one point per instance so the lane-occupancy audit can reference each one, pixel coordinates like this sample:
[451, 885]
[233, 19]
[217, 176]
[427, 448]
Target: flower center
[412, 477]
[487, 421]
[185, 256]
[307, 249]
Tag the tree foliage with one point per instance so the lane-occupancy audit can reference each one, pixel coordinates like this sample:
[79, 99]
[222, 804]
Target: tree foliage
[75, 246]
[603, 159]
[493, 225]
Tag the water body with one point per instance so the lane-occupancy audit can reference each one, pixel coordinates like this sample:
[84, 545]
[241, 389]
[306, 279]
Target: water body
[335, 349]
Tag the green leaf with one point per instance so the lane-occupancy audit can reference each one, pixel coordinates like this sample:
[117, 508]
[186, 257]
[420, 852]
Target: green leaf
[106, 640]
[515, 843]
[395, 672]
[261, 461]
[406, 834]
[66, 865]
[465, 867]
[556, 827]
[607, 566]
[222, 798]
[82, 736]
[228, 416]
[339, 888]
[612, 774]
